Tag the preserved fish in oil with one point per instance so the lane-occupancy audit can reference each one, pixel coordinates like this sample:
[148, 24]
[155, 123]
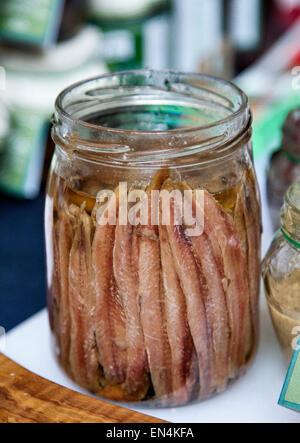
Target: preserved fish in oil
[147, 313]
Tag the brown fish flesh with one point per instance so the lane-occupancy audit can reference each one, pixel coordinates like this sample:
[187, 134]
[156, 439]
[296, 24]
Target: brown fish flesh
[179, 336]
[83, 357]
[195, 293]
[124, 265]
[228, 249]
[152, 312]
[215, 302]
[151, 302]
[65, 239]
[109, 316]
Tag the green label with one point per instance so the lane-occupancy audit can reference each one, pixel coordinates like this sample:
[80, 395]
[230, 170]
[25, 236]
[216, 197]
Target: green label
[22, 160]
[290, 396]
[267, 131]
[30, 21]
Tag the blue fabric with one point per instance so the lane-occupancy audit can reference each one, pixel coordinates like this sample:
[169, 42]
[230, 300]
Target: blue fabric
[22, 273]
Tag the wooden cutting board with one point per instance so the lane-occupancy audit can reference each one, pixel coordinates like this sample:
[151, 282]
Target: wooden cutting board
[28, 398]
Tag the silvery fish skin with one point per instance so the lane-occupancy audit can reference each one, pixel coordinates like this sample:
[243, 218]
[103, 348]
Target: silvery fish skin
[124, 264]
[215, 301]
[179, 336]
[83, 357]
[239, 221]
[151, 303]
[194, 291]
[65, 239]
[229, 252]
[110, 329]
[250, 202]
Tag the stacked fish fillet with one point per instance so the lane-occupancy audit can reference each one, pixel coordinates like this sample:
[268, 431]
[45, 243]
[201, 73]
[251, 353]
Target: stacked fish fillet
[148, 313]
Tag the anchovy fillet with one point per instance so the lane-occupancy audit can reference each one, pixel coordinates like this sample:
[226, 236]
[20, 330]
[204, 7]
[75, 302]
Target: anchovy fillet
[235, 279]
[194, 291]
[215, 302]
[83, 358]
[109, 313]
[151, 302]
[181, 342]
[124, 264]
[65, 237]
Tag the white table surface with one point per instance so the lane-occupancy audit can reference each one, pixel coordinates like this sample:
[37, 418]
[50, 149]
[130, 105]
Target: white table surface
[253, 399]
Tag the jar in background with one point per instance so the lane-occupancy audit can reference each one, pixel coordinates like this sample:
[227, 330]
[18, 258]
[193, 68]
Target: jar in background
[281, 273]
[285, 166]
[146, 308]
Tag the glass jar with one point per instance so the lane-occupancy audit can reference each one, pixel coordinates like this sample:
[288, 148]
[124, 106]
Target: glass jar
[149, 308]
[281, 273]
[284, 166]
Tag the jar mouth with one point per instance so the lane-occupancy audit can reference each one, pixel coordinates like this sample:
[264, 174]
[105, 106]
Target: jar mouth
[174, 112]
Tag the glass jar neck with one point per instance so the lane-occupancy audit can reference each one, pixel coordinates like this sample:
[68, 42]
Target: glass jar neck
[290, 215]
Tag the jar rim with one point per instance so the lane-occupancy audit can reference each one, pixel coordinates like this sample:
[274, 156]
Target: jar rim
[199, 89]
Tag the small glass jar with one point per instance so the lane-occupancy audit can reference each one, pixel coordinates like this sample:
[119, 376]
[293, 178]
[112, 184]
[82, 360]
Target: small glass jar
[281, 273]
[148, 309]
[284, 167]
